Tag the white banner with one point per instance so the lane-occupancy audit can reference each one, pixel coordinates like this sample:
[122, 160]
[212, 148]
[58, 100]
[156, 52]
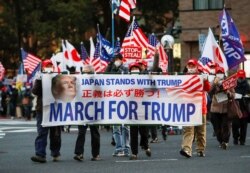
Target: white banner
[122, 99]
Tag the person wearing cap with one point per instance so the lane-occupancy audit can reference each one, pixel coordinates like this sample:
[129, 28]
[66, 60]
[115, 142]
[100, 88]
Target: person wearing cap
[239, 125]
[121, 134]
[134, 68]
[47, 66]
[55, 132]
[94, 132]
[219, 119]
[198, 131]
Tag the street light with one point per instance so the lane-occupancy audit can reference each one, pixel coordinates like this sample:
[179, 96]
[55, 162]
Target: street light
[168, 42]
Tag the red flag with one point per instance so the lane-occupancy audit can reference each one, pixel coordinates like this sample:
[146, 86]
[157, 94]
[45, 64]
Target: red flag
[125, 7]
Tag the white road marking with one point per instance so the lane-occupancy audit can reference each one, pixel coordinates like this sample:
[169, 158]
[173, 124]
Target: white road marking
[245, 156]
[2, 134]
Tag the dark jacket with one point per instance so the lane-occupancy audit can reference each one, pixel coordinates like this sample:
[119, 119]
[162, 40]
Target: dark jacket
[37, 90]
[243, 88]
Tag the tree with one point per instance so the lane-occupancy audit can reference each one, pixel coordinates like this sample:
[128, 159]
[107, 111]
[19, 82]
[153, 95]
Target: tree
[38, 25]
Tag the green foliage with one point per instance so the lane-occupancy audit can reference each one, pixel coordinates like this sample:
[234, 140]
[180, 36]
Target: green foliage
[35, 24]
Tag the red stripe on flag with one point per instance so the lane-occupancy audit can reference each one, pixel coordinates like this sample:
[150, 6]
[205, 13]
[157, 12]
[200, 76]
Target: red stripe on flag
[125, 7]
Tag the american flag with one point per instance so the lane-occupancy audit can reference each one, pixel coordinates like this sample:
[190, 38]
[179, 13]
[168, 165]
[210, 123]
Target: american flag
[84, 55]
[125, 7]
[136, 37]
[2, 71]
[205, 63]
[30, 61]
[37, 70]
[103, 53]
[153, 41]
[192, 87]
[97, 61]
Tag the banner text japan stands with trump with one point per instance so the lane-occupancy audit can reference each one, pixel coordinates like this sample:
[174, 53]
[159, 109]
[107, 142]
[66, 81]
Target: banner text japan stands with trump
[124, 99]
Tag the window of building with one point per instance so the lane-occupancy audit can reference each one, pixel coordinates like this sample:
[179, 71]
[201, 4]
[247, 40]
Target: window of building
[208, 4]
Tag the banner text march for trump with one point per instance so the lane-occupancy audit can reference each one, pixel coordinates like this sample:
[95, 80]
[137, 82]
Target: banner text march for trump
[122, 99]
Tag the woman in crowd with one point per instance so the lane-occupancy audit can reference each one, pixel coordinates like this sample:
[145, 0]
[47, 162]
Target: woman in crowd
[219, 118]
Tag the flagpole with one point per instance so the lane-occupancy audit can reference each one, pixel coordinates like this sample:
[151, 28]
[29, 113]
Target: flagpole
[100, 51]
[132, 26]
[113, 27]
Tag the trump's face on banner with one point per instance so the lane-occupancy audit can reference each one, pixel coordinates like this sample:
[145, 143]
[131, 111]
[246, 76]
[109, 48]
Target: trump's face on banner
[64, 87]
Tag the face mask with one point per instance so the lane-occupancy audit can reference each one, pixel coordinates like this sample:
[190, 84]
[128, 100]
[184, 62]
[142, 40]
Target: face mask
[48, 70]
[28, 87]
[23, 88]
[220, 76]
[191, 70]
[118, 63]
[135, 71]
[212, 71]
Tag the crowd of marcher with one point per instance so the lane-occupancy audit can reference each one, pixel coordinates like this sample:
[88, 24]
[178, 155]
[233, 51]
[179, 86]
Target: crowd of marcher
[19, 103]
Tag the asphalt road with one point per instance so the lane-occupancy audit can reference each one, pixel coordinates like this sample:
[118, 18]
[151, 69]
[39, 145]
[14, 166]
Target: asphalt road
[17, 146]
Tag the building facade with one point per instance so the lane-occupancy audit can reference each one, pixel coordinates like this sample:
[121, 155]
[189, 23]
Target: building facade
[196, 16]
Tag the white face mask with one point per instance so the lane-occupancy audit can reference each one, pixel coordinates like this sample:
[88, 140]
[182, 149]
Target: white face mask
[220, 76]
[135, 71]
[212, 71]
[118, 63]
[192, 70]
[48, 70]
